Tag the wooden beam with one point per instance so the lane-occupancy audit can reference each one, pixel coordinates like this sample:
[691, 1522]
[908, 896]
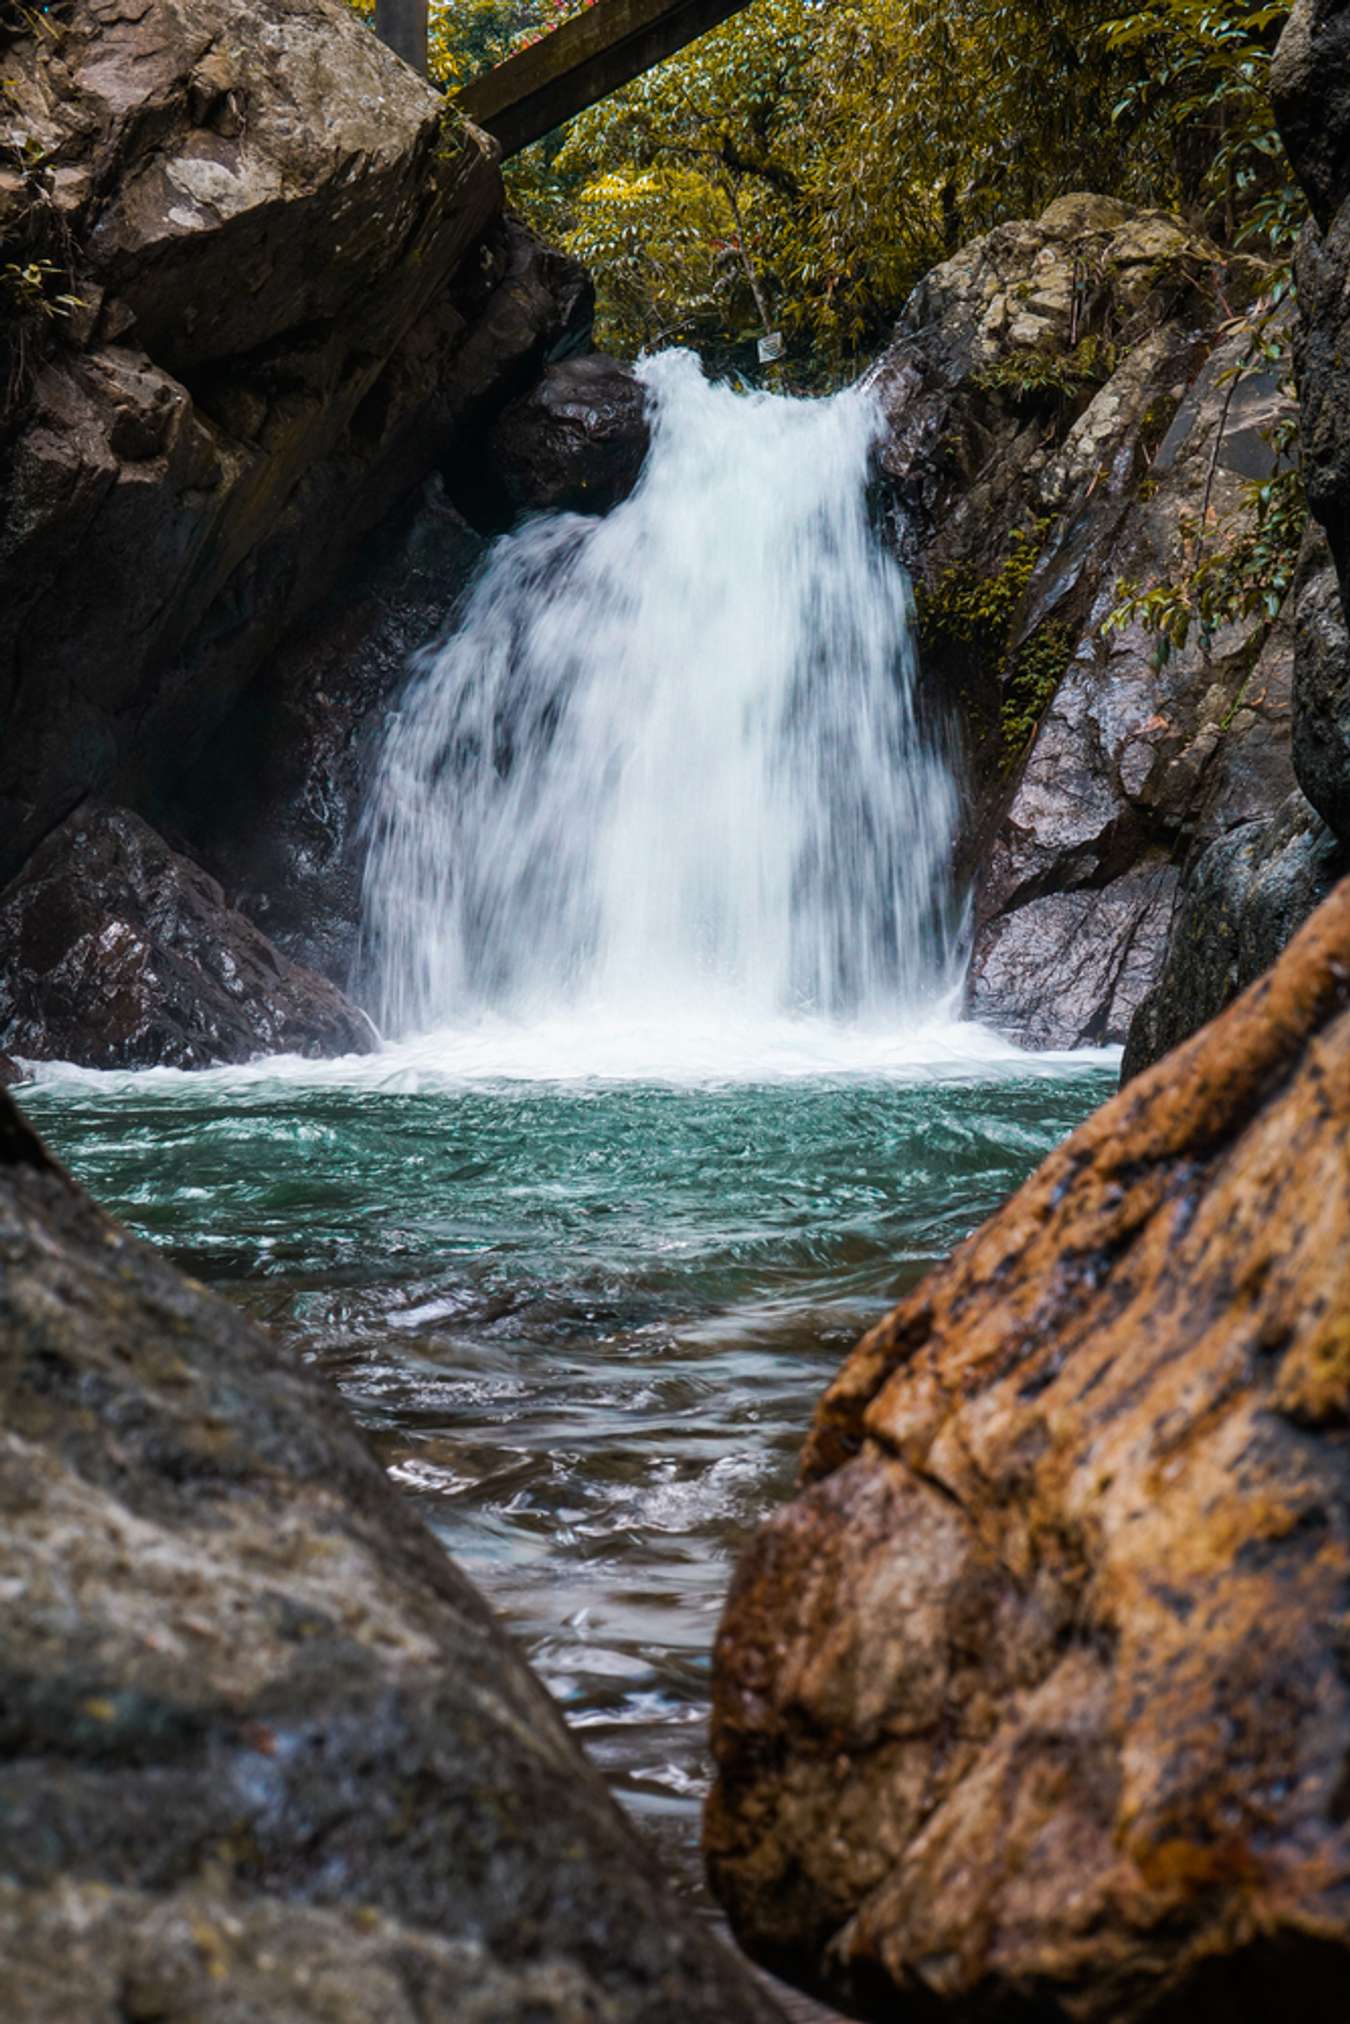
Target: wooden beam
[583, 61]
[403, 25]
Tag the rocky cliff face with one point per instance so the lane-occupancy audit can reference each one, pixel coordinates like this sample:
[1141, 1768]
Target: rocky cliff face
[257, 288]
[1035, 1703]
[267, 1754]
[1243, 898]
[1061, 412]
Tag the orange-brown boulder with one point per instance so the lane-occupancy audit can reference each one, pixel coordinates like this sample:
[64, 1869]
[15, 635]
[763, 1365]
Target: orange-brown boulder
[1035, 1704]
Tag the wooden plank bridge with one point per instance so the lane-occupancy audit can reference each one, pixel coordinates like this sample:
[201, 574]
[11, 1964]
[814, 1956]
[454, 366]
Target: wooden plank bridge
[575, 65]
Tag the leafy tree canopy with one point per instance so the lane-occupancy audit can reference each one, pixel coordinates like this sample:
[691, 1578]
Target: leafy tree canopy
[801, 167]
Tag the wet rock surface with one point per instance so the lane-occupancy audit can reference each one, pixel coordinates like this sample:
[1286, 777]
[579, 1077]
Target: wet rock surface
[120, 953]
[1321, 726]
[574, 443]
[275, 808]
[1238, 907]
[1239, 902]
[1060, 402]
[1034, 1703]
[266, 1752]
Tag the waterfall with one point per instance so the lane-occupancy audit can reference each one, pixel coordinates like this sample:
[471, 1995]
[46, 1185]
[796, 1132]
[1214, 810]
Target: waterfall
[667, 766]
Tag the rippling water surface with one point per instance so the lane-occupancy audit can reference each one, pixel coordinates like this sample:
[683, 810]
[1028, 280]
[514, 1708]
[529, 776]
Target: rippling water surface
[586, 1321]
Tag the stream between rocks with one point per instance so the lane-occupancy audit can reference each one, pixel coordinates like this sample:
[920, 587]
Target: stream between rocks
[585, 1322]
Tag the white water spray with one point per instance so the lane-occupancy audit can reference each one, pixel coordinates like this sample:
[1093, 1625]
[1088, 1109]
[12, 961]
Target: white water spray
[667, 770]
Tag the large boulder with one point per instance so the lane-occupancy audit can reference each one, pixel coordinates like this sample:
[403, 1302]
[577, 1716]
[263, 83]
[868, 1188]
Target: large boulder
[1060, 412]
[122, 954]
[266, 1752]
[274, 253]
[575, 442]
[213, 565]
[1035, 1703]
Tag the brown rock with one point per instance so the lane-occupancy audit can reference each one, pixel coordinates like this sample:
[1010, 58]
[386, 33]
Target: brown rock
[1036, 1703]
[119, 953]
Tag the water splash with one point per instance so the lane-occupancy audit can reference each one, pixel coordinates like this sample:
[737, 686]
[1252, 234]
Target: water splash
[668, 765]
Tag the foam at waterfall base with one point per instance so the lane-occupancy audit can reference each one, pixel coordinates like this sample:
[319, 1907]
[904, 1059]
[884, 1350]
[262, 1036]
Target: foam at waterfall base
[598, 1045]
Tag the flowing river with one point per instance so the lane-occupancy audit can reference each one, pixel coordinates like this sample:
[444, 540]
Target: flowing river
[676, 1101]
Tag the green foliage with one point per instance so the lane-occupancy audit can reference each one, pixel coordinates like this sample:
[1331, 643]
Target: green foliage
[862, 142]
[33, 300]
[1210, 68]
[1028, 375]
[977, 609]
[1037, 670]
[1228, 571]
[980, 613]
[805, 164]
[32, 290]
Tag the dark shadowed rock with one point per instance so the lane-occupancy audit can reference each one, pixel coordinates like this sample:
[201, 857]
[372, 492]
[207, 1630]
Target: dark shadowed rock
[1312, 102]
[1241, 903]
[274, 803]
[275, 808]
[1060, 406]
[10, 1072]
[1034, 1704]
[119, 953]
[1310, 84]
[576, 442]
[280, 241]
[267, 1755]
[1321, 723]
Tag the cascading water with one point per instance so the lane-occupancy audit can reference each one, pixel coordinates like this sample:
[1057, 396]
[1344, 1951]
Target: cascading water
[668, 767]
